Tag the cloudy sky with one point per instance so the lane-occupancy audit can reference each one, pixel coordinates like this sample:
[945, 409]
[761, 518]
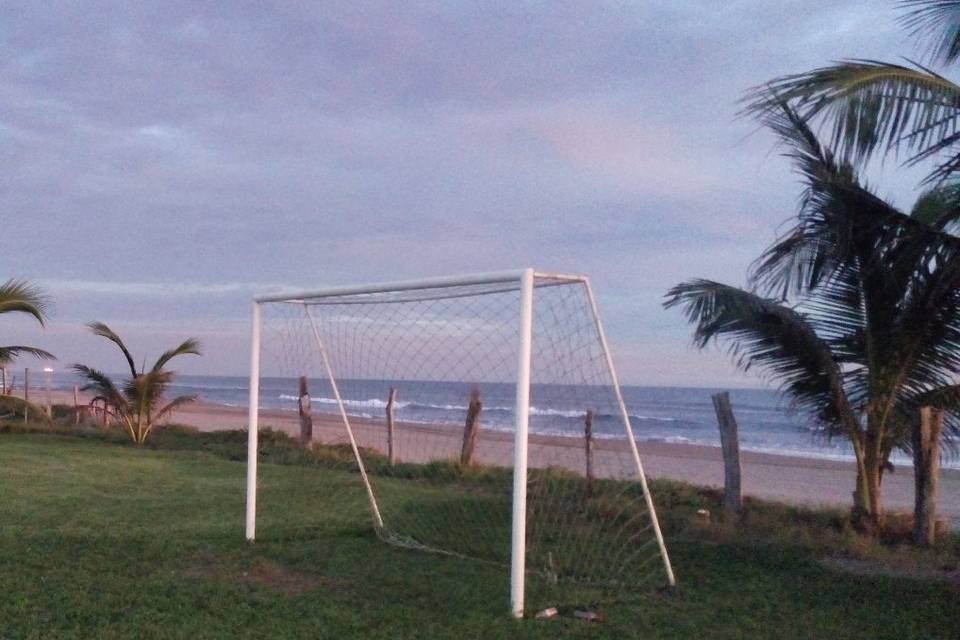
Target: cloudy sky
[162, 162]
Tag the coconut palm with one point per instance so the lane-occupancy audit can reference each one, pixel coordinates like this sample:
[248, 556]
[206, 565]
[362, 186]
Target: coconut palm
[17, 296]
[855, 310]
[874, 105]
[140, 401]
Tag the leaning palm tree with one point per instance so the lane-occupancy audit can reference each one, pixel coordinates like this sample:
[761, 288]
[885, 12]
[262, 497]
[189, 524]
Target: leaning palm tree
[140, 401]
[880, 106]
[855, 311]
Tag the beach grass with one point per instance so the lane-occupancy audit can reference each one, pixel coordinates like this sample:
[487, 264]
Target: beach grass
[102, 539]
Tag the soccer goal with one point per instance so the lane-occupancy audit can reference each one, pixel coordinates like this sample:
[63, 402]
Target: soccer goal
[476, 416]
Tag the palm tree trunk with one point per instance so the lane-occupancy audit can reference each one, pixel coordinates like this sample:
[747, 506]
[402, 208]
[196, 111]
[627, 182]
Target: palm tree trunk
[861, 492]
[868, 507]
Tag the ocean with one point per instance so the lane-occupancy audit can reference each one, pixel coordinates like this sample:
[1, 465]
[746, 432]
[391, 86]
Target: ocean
[668, 414]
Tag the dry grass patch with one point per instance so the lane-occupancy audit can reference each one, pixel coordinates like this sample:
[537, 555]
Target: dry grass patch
[263, 573]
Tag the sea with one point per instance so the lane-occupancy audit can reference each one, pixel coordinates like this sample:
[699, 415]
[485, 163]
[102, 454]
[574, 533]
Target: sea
[767, 422]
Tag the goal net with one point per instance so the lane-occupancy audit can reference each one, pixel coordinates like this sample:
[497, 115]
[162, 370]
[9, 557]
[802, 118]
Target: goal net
[477, 417]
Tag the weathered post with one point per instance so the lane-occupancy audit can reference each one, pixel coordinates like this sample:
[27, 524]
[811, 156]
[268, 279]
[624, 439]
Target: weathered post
[26, 394]
[47, 374]
[926, 467]
[306, 417]
[471, 428]
[730, 443]
[391, 400]
[76, 404]
[588, 446]
[3, 379]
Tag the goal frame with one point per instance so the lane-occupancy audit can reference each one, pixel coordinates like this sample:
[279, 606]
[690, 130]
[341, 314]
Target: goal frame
[525, 281]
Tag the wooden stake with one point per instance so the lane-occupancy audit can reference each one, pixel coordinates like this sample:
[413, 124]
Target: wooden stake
[926, 468]
[46, 378]
[730, 442]
[588, 446]
[391, 399]
[306, 418]
[3, 376]
[26, 394]
[76, 404]
[471, 428]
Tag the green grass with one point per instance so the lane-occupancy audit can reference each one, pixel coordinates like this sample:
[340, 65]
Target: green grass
[99, 539]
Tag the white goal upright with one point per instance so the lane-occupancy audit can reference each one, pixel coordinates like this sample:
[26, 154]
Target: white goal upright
[476, 416]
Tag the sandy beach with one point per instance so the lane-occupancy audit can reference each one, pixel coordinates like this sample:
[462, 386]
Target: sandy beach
[796, 480]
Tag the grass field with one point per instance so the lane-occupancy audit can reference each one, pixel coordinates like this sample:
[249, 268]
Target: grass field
[103, 540]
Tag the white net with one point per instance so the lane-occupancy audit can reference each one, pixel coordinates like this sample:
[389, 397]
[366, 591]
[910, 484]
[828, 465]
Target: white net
[443, 481]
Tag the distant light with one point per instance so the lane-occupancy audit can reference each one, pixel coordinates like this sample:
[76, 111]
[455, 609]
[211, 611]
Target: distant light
[48, 370]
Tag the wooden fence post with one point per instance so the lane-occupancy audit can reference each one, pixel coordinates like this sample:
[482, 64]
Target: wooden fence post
[3, 375]
[306, 417]
[926, 467]
[730, 442]
[471, 427]
[46, 379]
[588, 446]
[76, 404]
[391, 400]
[26, 394]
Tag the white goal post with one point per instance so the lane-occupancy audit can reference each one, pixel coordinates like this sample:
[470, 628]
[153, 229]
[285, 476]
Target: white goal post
[524, 284]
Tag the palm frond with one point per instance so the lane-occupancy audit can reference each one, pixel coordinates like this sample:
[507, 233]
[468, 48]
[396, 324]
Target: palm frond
[822, 241]
[102, 385]
[763, 333]
[146, 390]
[939, 208]
[936, 22]
[102, 330]
[873, 105]
[946, 398]
[7, 354]
[188, 347]
[20, 296]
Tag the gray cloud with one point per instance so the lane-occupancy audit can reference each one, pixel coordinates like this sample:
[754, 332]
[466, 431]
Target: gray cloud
[157, 157]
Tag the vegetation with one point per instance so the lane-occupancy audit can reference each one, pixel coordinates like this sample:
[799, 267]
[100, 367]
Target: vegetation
[20, 297]
[855, 311]
[173, 563]
[140, 402]
[875, 105]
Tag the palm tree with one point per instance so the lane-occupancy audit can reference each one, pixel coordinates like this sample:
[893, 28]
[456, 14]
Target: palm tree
[17, 296]
[140, 401]
[874, 105]
[855, 310]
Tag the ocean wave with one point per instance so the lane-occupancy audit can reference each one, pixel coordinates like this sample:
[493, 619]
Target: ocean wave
[208, 387]
[378, 403]
[371, 403]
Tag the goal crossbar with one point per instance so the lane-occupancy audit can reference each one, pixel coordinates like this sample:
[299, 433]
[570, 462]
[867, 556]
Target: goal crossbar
[541, 278]
[525, 281]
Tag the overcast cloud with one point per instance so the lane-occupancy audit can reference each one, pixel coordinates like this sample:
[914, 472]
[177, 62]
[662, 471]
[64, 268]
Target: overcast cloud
[161, 162]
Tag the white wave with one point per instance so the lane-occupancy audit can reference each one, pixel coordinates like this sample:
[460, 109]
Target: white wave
[378, 403]
[371, 403]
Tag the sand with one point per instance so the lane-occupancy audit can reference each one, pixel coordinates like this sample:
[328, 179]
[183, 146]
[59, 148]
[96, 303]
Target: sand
[791, 479]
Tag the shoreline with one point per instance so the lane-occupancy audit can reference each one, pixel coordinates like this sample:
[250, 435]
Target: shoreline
[790, 478]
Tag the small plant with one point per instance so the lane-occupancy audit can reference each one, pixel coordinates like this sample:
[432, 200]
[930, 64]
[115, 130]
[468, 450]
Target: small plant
[140, 402]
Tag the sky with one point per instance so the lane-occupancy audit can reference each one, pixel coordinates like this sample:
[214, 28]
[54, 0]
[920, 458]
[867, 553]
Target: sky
[161, 163]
